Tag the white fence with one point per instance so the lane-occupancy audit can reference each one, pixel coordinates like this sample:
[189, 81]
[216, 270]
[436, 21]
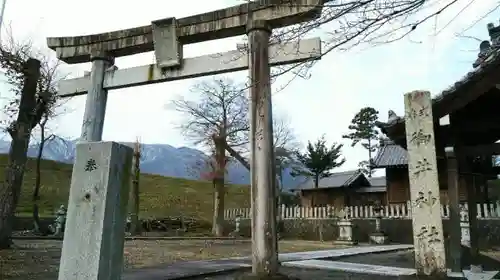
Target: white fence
[394, 211]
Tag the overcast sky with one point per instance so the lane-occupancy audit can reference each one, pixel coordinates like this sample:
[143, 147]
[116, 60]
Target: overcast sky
[341, 83]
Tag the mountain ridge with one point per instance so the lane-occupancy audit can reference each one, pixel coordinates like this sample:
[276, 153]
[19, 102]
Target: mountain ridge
[159, 159]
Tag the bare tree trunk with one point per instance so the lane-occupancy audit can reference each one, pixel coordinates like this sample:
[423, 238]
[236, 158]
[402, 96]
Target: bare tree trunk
[237, 156]
[20, 132]
[279, 183]
[219, 190]
[136, 172]
[279, 190]
[38, 179]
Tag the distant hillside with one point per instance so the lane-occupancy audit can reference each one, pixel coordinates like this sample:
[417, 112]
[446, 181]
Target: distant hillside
[159, 196]
[157, 159]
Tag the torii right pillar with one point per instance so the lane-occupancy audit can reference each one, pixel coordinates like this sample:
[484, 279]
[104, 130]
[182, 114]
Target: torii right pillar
[264, 235]
[428, 240]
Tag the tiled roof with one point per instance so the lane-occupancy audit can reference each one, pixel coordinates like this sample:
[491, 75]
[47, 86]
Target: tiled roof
[488, 60]
[377, 181]
[390, 154]
[336, 180]
[371, 189]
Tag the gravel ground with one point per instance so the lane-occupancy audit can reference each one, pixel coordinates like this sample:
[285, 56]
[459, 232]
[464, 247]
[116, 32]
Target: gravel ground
[39, 259]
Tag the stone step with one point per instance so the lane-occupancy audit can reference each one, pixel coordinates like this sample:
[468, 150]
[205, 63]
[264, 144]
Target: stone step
[352, 267]
[381, 270]
[344, 252]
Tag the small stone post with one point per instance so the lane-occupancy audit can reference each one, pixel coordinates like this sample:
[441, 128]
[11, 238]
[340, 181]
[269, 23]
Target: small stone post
[465, 233]
[60, 221]
[95, 226]
[263, 174]
[97, 96]
[471, 182]
[237, 222]
[430, 259]
[135, 226]
[377, 208]
[377, 223]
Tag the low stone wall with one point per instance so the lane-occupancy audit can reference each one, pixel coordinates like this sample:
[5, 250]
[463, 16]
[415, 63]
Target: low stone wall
[398, 230]
[26, 223]
[149, 227]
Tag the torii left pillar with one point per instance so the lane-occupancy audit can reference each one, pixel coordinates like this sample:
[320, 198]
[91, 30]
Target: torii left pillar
[97, 97]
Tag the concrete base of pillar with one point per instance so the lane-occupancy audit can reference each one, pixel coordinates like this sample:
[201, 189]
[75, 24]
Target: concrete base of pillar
[427, 277]
[379, 238]
[476, 268]
[346, 234]
[251, 276]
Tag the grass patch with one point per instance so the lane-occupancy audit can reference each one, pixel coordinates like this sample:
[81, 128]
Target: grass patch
[159, 196]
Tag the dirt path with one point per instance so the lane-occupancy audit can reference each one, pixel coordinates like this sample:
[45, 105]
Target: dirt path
[40, 259]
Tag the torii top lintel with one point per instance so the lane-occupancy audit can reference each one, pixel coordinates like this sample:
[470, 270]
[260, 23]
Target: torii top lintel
[213, 25]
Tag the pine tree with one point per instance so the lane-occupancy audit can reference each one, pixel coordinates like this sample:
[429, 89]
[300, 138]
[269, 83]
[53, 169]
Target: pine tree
[363, 130]
[319, 160]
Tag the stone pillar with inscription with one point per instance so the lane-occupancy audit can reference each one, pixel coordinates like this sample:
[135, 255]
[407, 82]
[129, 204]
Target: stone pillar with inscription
[95, 228]
[428, 238]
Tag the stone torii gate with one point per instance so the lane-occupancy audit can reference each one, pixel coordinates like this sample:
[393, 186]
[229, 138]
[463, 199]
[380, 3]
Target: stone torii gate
[94, 236]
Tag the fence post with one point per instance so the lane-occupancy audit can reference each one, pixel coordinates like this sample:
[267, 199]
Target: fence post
[498, 208]
[363, 212]
[485, 211]
[408, 205]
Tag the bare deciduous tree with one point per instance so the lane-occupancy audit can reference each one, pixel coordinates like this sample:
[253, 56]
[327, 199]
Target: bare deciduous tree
[32, 83]
[283, 140]
[219, 120]
[222, 110]
[349, 23]
[283, 136]
[285, 146]
[44, 138]
[219, 117]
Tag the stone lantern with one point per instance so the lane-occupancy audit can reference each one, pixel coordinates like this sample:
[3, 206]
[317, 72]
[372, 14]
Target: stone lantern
[345, 224]
[60, 221]
[237, 227]
[378, 236]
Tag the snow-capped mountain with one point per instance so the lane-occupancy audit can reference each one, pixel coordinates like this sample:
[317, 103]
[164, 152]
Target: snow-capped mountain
[158, 159]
